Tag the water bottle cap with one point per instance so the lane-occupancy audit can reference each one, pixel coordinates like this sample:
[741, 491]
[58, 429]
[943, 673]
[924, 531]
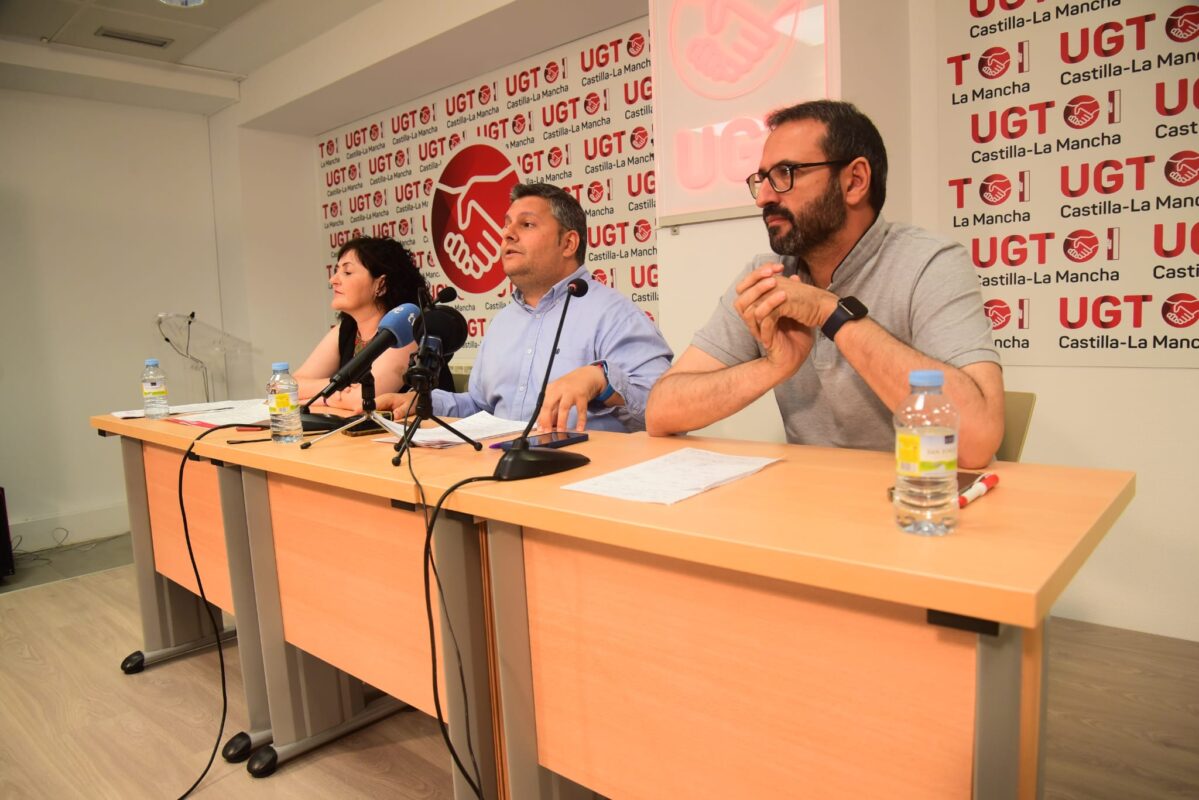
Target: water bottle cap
[926, 377]
[280, 366]
[151, 362]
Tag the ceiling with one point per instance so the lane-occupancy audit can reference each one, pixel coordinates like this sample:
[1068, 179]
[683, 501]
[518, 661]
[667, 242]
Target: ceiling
[51, 47]
[227, 36]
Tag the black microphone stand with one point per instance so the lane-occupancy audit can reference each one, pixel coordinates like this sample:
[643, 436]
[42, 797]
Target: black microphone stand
[368, 411]
[523, 461]
[422, 376]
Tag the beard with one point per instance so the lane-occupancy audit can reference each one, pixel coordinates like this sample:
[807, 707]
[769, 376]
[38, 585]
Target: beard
[816, 224]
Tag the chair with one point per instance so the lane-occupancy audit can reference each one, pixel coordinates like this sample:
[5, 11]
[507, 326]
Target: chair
[1017, 414]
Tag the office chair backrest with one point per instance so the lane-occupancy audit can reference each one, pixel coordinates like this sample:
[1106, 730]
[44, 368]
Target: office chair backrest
[1017, 414]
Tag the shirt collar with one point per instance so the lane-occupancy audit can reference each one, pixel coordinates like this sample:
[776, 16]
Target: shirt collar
[853, 263]
[556, 292]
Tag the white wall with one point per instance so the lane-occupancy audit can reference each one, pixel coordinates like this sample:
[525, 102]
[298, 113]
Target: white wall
[274, 292]
[106, 220]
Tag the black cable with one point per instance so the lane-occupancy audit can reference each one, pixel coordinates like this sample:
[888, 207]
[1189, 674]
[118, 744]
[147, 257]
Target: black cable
[220, 650]
[428, 561]
[431, 563]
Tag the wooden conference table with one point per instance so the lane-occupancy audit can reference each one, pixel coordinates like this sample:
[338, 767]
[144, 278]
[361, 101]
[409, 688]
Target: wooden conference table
[771, 637]
[774, 637]
[294, 701]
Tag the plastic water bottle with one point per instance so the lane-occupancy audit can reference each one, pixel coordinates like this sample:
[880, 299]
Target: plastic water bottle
[926, 458]
[283, 397]
[154, 390]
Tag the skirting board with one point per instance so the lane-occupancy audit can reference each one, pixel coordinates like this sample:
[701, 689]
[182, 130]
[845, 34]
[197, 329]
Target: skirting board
[82, 526]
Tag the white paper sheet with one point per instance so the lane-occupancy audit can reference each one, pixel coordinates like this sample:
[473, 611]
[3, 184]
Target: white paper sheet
[219, 412]
[477, 426]
[671, 478]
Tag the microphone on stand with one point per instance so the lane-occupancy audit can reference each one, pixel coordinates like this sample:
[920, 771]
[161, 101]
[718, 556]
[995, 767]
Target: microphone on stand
[523, 461]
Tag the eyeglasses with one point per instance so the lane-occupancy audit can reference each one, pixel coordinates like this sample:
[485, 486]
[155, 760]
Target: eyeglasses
[782, 176]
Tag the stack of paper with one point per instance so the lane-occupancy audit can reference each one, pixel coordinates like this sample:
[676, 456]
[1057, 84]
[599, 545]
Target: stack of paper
[209, 415]
[671, 478]
[477, 426]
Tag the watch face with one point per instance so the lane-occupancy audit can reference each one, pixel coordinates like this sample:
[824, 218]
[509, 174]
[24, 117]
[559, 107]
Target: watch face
[855, 307]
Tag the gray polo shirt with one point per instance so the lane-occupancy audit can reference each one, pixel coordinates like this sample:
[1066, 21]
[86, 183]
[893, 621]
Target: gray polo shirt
[918, 286]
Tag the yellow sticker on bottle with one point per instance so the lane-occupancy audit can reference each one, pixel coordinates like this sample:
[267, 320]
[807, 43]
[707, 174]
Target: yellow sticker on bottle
[931, 453]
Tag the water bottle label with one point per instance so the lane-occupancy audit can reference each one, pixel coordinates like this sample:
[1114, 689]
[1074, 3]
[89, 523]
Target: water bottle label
[926, 455]
[154, 389]
[284, 402]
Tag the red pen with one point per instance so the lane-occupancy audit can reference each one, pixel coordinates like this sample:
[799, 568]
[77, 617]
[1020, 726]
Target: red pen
[984, 484]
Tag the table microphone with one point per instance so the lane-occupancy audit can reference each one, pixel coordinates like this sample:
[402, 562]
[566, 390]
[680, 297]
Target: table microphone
[523, 461]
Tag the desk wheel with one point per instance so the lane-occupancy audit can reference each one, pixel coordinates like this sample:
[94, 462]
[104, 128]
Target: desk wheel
[134, 663]
[264, 762]
[238, 748]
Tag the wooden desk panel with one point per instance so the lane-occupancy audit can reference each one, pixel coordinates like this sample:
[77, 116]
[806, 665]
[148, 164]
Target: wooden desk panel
[351, 585]
[203, 502]
[657, 678]
[820, 517]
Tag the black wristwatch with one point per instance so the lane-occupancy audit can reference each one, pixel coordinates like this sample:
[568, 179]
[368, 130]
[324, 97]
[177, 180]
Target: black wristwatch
[848, 309]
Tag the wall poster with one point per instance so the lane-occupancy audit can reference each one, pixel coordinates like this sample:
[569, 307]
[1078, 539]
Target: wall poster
[721, 67]
[1069, 167]
[435, 173]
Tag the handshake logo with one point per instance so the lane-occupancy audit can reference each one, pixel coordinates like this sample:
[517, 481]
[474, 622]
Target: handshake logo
[469, 203]
[1183, 25]
[1000, 313]
[1181, 310]
[1182, 168]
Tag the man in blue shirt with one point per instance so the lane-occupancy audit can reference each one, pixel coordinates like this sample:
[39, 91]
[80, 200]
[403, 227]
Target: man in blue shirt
[609, 355]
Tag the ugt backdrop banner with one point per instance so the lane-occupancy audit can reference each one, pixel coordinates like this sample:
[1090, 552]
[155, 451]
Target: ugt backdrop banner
[435, 173]
[1069, 167]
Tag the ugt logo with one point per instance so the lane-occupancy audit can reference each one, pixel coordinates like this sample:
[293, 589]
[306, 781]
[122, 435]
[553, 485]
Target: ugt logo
[1083, 110]
[1181, 310]
[727, 48]
[1082, 245]
[469, 203]
[1182, 168]
[1000, 313]
[1183, 25]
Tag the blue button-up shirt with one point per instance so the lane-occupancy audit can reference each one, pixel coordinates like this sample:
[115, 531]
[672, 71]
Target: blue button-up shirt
[601, 325]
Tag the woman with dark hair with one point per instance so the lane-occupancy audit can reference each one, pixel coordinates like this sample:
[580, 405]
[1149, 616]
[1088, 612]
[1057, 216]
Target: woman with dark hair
[372, 277]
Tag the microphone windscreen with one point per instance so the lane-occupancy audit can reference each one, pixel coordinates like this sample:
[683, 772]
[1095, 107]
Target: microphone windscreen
[399, 322]
[447, 324]
[448, 294]
[577, 287]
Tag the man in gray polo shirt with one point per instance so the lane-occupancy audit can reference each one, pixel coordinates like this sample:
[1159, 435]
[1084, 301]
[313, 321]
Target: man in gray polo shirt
[855, 304]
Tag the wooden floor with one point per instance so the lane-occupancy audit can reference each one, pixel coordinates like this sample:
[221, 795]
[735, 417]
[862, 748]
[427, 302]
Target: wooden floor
[1123, 719]
[1123, 715]
[72, 725]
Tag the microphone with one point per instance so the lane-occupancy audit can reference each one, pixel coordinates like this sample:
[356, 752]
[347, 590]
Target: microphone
[396, 329]
[444, 322]
[522, 461]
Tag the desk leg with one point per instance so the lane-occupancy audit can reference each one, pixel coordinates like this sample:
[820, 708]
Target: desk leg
[998, 712]
[241, 583]
[174, 620]
[526, 778]
[310, 701]
[1034, 671]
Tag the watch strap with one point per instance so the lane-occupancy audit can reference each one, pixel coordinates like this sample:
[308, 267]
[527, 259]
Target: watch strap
[609, 389]
[847, 310]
